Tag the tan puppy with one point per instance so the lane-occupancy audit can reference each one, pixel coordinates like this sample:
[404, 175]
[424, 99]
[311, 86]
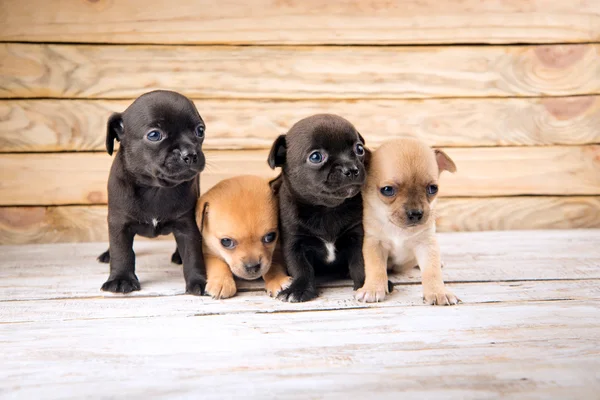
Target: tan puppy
[399, 218]
[238, 221]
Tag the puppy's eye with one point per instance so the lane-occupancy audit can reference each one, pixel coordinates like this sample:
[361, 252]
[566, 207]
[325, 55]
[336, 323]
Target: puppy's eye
[269, 237]
[359, 149]
[316, 157]
[388, 191]
[432, 189]
[200, 131]
[154, 136]
[227, 243]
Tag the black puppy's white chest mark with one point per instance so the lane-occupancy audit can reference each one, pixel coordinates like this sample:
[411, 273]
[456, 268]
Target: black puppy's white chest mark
[330, 252]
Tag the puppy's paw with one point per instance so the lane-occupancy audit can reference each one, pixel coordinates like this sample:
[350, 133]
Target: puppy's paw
[275, 286]
[176, 258]
[372, 293]
[297, 293]
[221, 288]
[440, 297]
[195, 286]
[104, 257]
[122, 284]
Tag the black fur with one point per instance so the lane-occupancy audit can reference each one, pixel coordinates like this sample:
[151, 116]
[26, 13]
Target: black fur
[319, 203]
[154, 181]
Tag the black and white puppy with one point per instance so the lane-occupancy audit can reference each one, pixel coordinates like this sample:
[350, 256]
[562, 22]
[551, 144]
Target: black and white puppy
[322, 159]
[154, 185]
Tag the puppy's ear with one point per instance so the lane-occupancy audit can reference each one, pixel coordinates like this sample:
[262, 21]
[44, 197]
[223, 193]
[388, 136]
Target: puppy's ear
[367, 158]
[278, 151]
[362, 139]
[275, 184]
[203, 216]
[114, 130]
[444, 162]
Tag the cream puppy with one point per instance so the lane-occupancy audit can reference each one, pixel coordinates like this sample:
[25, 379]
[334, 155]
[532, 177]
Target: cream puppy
[399, 218]
[238, 221]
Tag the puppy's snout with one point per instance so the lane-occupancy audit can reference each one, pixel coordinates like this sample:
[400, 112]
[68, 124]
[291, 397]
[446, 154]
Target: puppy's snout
[350, 171]
[189, 157]
[252, 268]
[414, 215]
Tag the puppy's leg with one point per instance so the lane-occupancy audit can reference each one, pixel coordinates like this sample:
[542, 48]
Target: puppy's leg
[220, 284]
[434, 290]
[189, 243]
[276, 279]
[104, 257]
[350, 244]
[122, 277]
[176, 257]
[376, 280]
[303, 286]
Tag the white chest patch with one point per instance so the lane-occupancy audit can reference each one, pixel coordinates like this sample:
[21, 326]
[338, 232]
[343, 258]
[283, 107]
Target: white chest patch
[154, 222]
[330, 247]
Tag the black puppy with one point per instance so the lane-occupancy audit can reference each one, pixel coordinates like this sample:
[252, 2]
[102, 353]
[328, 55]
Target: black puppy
[154, 185]
[322, 159]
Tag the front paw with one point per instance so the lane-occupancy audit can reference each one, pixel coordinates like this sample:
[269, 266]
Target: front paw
[298, 292]
[275, 286]
[372, 293]
[121, 284]
[221, 288]
[195, 286]
[439, 297]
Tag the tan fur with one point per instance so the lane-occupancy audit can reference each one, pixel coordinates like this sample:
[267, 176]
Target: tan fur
[243, 209]
[409, 166]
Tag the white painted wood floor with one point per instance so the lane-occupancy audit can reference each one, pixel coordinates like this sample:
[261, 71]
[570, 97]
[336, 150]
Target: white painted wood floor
[529, 328]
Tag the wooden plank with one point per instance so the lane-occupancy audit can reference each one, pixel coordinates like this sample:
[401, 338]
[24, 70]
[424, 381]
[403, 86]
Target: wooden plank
[73, 125]
[257, 302]
[517, 213]
[83, 71]
[76, 178]
[57, 224]
[70, 270]
[334, 22]
[464, 352]
[80, 178]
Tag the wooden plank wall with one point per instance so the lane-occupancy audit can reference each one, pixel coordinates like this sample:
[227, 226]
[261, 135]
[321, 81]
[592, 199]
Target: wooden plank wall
[510, 89]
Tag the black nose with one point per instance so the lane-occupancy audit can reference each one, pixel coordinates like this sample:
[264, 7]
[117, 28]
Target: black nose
[189, 157]
[414, 215]
[252, 268]
[350, 171]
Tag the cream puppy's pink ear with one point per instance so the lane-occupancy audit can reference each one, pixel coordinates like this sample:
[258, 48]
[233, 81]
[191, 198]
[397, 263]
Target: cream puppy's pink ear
[444, 162]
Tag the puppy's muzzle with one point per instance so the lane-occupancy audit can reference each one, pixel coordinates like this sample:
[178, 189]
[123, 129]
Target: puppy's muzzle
[350, 171]
[188, 157]
[414, 216]
[252, 268]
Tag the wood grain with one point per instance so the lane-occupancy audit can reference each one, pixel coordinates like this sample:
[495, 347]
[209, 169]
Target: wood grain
[81, 71]
[80, 178]
[75, 125]
[253, 301]
[57, 224]
[70, 270]
[288, 22]
[490, 349]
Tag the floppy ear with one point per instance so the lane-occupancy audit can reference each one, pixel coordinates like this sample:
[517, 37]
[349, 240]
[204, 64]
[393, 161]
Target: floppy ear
[362, 139]
[275, 184]
[114, 129]
[444, 162]
[203, 217]
[277, 154]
